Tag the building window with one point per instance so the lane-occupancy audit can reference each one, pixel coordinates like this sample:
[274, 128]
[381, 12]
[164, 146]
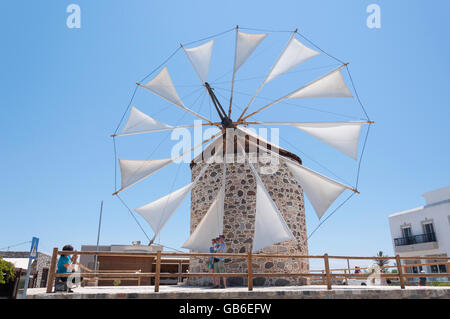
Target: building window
[428, 228]
[413, 269]
[434, 269]
[406, 232]
[437, 268]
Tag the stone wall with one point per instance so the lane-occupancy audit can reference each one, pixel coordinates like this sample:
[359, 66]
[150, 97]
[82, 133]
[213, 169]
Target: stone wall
[175, 294]
[239, 218]
[43, 261]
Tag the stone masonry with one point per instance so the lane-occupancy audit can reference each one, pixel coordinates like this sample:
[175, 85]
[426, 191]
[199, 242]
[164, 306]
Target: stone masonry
[239, 219]
[39, 264]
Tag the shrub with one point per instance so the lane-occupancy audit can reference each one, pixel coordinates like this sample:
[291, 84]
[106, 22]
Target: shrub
[440, 283]
[116, 283]
[6, 271]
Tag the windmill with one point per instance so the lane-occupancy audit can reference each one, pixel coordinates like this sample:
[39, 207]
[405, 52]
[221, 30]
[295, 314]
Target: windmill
[270, 227]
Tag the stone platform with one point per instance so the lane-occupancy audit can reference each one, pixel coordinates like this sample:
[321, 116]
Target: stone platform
[289, 292]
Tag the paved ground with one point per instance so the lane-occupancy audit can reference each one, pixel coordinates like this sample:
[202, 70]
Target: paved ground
[291, 292]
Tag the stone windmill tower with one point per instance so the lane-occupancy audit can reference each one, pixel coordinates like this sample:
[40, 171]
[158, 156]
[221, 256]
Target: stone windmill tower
[239, 218]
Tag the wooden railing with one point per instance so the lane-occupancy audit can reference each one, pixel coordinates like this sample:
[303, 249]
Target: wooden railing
[348, 271]
[130, 272]
[327, 274]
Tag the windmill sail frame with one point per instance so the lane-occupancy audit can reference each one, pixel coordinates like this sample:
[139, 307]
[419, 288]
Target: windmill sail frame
[343, 136]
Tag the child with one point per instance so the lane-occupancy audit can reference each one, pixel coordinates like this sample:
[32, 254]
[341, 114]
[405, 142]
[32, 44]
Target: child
[210, 264]
[65, 265]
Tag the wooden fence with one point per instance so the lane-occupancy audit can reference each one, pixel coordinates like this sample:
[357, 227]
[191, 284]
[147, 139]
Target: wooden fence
[326, 275]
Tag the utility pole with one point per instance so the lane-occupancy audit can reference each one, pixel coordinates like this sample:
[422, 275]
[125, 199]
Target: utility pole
[98, 235]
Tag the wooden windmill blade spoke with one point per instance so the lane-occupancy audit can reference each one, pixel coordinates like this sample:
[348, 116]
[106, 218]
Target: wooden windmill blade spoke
[200, 58]
[294, 123]
[234, 71]
[293, 54]
[265, 78]
[321, 190]
[167, 129]
[198, 145]
[164, 88]
[265, 107]
[245, 45]
[184, 108]
[293, 162]
[297, 93]
[157, 213]
[342, 136]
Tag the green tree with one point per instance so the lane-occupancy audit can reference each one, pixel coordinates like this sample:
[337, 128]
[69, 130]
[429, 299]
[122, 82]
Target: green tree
[6, 271]
[381, 262]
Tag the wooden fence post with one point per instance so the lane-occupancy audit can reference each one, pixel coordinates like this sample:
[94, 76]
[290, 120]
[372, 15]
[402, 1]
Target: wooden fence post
[52, 271]
[250, 271]
[158, 270]
[327, 271]
[180, 270]
[400, 271]
[346, 279]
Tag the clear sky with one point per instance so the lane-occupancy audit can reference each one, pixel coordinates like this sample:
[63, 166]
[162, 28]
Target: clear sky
[65, 90]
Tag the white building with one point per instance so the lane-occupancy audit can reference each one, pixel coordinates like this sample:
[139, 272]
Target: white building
[424, 231]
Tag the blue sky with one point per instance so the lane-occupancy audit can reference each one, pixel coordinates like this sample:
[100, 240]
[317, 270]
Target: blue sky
[64, 91]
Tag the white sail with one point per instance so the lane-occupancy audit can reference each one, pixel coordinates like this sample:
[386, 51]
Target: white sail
[294, 54]
[246, 43]
[209, 227]
[343, 136]
[320, 190]
[270, 226]
[133, 171]
[141, 122]
[162, 85]
[157, 213]
[330, 85]
[200, 58]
